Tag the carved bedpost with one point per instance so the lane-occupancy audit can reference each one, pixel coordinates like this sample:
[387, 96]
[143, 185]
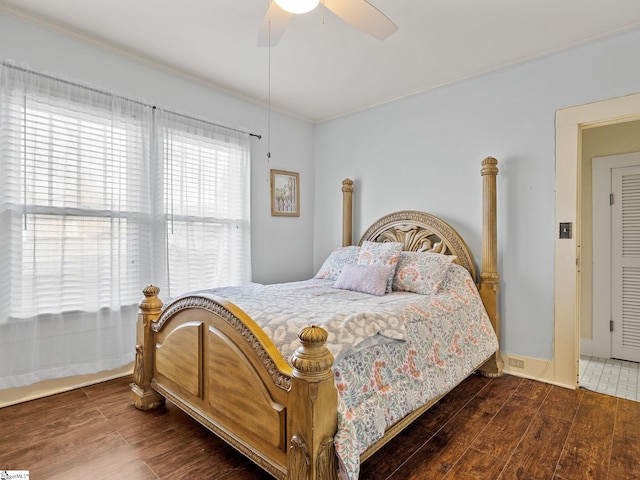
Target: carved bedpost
[144, 398]
[489, 285]
[311, 450]
[347, 212]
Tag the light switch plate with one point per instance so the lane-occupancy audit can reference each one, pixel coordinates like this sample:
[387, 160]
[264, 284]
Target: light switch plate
[565, 230]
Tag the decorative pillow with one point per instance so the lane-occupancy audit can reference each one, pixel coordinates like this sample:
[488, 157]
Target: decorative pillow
[371, 279]
[332, 266]
[380, 253]
[421, 272]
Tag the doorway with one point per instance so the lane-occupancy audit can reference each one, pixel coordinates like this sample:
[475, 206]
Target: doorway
[616, 257]
[601, 149]
[571, 279]
[609, 348]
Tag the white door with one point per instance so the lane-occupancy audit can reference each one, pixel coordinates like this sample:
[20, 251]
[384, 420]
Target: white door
[625, 263]
[616, 256]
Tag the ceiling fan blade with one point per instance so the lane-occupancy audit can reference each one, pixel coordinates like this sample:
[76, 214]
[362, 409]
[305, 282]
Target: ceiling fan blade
[273, 26]
[363, 16]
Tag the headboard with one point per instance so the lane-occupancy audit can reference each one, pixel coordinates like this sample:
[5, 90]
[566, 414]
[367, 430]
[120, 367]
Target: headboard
[421, 232]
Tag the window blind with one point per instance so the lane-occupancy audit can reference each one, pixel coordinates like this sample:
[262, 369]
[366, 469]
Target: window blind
[80, 173]
[102, 195]
[206, 200]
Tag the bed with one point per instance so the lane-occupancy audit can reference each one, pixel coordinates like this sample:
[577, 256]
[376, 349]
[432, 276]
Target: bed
[291, 406]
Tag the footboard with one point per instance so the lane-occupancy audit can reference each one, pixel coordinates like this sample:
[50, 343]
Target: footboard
[214, 362]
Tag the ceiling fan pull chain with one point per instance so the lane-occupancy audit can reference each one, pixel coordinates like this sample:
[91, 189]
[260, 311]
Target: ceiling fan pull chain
[269, 94]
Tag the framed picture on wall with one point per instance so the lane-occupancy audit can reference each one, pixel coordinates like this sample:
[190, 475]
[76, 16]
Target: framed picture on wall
[285, 193]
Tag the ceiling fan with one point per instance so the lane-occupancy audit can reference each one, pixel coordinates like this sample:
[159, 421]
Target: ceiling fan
[358, 13]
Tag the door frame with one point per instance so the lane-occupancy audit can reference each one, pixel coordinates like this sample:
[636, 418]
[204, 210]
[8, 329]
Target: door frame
[601, 306]
[570, 122]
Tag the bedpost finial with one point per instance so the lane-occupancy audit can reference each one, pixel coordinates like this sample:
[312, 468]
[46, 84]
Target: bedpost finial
[312, 359]
[151, 291]
[489, 166]
[150, 300]
[347, 185]
[313, 335]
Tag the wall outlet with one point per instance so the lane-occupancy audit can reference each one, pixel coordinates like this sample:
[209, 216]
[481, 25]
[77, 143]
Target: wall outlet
[516, 362]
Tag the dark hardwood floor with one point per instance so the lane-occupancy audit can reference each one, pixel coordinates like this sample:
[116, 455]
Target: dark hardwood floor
[503, 428]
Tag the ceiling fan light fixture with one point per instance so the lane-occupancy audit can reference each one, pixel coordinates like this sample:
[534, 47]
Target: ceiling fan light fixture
[297, 6]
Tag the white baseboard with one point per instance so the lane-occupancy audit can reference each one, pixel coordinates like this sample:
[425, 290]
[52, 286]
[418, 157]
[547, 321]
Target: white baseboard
[12, 396]
[533, 369]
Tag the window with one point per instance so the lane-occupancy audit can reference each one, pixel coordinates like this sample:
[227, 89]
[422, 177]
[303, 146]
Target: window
[101, 196]
[79, 181]
[206, 201]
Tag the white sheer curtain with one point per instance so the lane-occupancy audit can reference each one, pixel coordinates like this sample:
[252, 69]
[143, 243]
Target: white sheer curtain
[86, 216]
[206, 185]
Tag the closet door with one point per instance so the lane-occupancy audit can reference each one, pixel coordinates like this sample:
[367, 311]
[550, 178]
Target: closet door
[625, 263]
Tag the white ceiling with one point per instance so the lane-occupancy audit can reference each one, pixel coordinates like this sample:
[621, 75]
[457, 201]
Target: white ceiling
[323, 68]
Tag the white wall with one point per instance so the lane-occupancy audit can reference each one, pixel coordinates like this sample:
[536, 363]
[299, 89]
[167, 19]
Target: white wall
[276, 241]
[424, 153]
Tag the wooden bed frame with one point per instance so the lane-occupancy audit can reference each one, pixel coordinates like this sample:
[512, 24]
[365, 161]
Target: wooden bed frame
[215, 363]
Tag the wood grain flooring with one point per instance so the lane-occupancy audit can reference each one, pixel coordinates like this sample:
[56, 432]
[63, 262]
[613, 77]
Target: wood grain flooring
[493, 429]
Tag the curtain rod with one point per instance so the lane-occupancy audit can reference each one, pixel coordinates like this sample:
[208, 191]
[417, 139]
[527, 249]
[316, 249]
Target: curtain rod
[138, 102]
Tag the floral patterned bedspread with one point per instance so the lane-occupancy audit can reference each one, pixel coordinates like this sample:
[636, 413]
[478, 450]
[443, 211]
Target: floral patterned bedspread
[393, 353]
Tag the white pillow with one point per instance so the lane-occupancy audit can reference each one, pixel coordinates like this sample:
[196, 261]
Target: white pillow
[371, 279]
